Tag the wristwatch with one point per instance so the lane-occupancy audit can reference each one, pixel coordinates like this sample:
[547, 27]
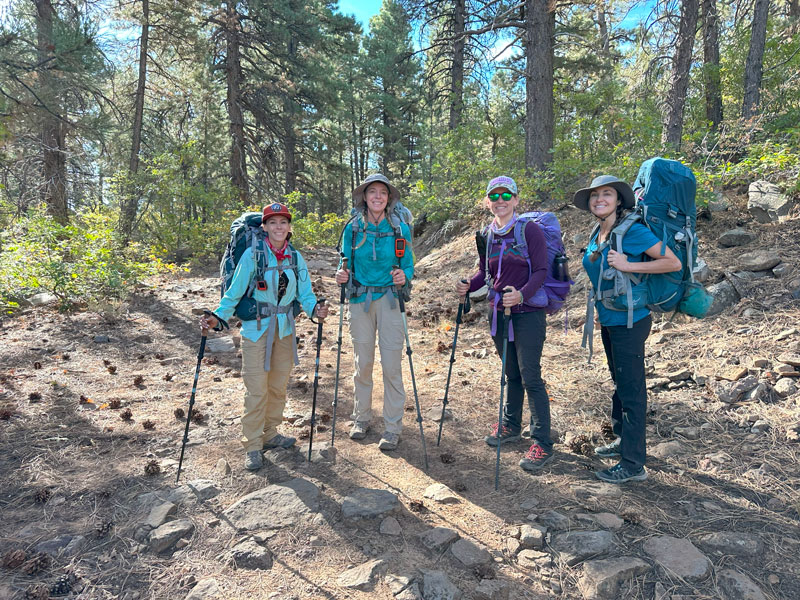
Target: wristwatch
[521, 298]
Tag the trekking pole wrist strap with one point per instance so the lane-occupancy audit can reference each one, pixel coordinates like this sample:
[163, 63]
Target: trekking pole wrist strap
[221, 323]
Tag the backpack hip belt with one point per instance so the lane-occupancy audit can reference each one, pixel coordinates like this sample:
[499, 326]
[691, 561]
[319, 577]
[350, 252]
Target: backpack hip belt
[271, 311]
[356, 289]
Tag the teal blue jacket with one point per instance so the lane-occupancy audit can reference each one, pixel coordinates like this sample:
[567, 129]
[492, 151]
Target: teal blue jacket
[375, 256]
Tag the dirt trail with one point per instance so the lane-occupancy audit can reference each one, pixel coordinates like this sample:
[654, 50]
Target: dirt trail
[72, 465]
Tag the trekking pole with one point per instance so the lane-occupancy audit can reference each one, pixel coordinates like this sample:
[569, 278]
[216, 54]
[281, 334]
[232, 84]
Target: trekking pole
[402, 302]
[463, 307]
[316, 383]
[200, 353]
[338, 354]
[504, 324]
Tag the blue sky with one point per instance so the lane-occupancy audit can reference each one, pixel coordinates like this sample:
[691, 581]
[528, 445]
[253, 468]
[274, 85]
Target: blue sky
[362, 9]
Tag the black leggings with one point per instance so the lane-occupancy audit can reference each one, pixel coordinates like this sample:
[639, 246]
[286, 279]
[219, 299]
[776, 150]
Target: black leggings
[625, 353]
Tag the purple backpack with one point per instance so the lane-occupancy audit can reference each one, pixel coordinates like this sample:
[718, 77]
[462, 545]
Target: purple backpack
[556, 286]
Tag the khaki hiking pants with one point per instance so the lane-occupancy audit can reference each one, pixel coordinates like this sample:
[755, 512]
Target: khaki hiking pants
[387, 322]
[266, 390]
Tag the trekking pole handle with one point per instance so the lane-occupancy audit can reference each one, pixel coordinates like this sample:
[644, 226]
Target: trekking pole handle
[399, 289]
[507, 310]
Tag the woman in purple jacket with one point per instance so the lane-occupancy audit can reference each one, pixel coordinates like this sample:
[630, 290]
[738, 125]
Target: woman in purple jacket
[512, 281]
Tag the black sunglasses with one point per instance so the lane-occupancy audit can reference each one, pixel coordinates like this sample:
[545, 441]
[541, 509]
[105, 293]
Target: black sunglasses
[505, 196]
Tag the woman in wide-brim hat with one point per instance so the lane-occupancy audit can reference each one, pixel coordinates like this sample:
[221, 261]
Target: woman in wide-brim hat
[606, 198]
[269, 348]
[374, 272]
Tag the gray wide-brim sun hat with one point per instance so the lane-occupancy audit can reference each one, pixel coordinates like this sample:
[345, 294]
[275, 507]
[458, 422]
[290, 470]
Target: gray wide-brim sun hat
[625, 192]
[358, 193]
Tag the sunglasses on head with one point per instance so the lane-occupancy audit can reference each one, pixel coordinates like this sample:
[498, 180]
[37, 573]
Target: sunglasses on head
[505, 196]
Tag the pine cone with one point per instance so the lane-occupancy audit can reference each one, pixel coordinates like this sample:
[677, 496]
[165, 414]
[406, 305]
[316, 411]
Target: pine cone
[62, 586]
[115, 403]
[105, 528]
[43, 495]
[152, 468]
[138, 380]
[35, 564]
[126, 415]
[37, 591]
[179, 413]
[14, 558]
[581, 445]
[6, 413]
[148, 424]
[608, 431]
[197, 417]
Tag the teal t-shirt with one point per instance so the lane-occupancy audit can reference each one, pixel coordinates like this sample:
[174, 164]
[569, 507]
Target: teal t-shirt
[638, 239]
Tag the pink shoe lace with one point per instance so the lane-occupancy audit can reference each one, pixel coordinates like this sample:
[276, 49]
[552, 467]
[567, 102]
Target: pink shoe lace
[535, 452]
[495, 428]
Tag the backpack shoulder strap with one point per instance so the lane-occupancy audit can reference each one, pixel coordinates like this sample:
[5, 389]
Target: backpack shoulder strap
[521, 242]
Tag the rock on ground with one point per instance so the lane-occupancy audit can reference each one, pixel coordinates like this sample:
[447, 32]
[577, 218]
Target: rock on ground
[732, 542]
[274, 506]
[725, 296]
[491, 589]
[365, 503]
[160, 514]
[758, 260]
[736, 237]
[250, 555]
[534, 559]
[169, 533]
[738, 586]
[205, 589]
[439, 492]
[439, 538]
[436, 586]
[470, 554]
[678, 557]
[603, 578]
[532, 536]
[554, 520]
[577, 546]
[390, 526]
[766, 202]
[363, 577]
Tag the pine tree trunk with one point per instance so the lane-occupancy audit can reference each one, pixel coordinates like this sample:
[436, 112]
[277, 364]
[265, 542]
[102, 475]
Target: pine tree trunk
[290, 137]
[54, 164]
[130, 200]
[602, 25]
[711, 80]
[233, 76]
[457, 68]
[754, 67]
[681, 63]
[539, 41]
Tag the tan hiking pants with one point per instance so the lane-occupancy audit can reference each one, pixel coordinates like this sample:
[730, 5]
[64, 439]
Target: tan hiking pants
[266, 390]
[387, 322]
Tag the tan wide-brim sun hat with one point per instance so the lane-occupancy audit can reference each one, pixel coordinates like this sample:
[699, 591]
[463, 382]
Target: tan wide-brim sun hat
[625, 192]
[358, 193]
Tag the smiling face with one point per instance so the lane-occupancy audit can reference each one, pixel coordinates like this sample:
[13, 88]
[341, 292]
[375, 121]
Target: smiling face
[603, 202]
[277, 229]
[502, 209]
[376, 197]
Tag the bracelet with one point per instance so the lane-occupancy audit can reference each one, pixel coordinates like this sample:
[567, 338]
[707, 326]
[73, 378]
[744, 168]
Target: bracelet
[521, 298]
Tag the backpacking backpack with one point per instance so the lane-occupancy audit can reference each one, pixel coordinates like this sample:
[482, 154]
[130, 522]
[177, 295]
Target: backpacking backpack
[556, 285]
[246, 232]
[665, 204]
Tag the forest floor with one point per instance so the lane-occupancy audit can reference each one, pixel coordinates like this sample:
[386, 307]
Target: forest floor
[71, 465]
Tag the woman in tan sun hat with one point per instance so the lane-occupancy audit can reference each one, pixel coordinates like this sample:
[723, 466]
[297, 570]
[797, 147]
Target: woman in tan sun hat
[606, 198]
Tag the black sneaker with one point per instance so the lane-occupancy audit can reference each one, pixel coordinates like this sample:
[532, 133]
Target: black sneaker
[620, 474]
[279, 441]
[535, 458]
[610, 450]
[506, 435]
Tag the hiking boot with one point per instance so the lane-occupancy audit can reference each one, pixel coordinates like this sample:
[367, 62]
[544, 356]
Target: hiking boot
[254, 460]
[506, 436]
[535, 458]
[359, 430]
[389, 441]
[620, 474]
[609, 450]
[279, 441]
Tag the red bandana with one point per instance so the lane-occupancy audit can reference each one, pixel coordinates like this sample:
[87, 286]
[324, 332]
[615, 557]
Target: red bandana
[282, 253]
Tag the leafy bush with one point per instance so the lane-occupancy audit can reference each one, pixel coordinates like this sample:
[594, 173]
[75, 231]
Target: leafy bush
[78, 263]
[311, 230]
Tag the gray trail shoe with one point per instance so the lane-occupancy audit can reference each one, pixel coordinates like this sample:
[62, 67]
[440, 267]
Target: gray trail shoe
[254, 460]
[620, 474]
[389, 441]
[359, 430]
[609, 450]
[279, 441]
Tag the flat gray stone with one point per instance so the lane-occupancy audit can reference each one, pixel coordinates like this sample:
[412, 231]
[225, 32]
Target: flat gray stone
[678, 557]
[397, 583]
[738, 586]
[604, 520]
[532, 536]
[169, 533]
[204, 489]
[436, 586]
[729, 392]
[725, 296]
[412, 592]
[785, 387]
[250, 555]
[365, 503]
[491, 589]
[223, 467]
[363, 577]
[160, 514]
[534, 559]
[321, 452]
[439, 538]
[439, 492]
[390, 526]
[732, 543]
[470, 554]
[204, 590]
[554, 520]
[181, 495]
[690, 433]
[758, 260]
[60, 544]
[603, 578]
[220, 345]
[736, 237]
[766, 202]
[42, 299]
[576, 546]
[275, 506]
[666, 449]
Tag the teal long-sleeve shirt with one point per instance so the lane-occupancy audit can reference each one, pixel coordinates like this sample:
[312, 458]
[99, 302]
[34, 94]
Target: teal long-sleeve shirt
[245, 271]
[375, 255]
